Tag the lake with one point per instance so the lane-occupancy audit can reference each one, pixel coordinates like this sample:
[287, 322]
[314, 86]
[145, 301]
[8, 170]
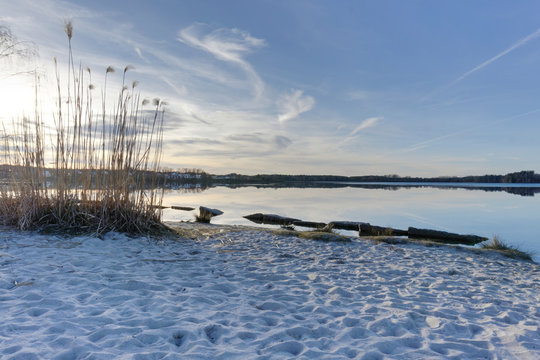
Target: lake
[480, 209]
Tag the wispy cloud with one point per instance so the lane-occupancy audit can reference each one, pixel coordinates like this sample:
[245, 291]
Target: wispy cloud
[518, 44]
[229, 45]
[140, 54]
[282, 142]
[194, 141]
[357, 95]
[367, 123]
[534, 35]
[294, 104]
[277, 142]
[468, 130]
[427, 143]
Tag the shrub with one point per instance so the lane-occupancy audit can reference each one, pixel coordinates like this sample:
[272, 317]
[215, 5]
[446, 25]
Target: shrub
[105, 163]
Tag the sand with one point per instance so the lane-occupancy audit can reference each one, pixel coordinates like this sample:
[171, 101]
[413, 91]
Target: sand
[250, 294]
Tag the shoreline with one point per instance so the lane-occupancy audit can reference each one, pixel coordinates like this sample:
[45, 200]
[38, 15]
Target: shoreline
[192, 230]
[242, 292]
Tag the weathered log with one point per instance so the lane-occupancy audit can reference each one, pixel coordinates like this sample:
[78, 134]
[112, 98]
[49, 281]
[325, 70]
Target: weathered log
[270, 219]
[184, 208]
[159, 207]
[256, 218]
[278, 220]
[205, 214]
[309, 224]
[444, 237]
[345, 225]
[366, 229]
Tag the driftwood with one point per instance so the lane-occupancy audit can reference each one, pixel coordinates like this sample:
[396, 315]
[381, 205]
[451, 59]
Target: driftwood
[159, 207]
[309, 224]
[365, 229]
[205, 214]
[270, 219]
[372, 230]
[345, 225]
[184, 208]
[445, 237]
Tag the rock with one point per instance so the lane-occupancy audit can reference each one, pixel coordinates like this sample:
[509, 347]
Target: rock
[184, 208]
[270, 219]
[205, 214]
[444, 237]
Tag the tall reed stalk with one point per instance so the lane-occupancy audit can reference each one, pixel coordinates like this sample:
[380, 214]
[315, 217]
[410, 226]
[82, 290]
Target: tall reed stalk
[104, 164]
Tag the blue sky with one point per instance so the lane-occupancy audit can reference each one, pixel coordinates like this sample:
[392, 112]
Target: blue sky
[422, 88]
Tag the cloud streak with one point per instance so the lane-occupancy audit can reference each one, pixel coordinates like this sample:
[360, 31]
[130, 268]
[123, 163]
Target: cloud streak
[518, 44]
[469, 130]
[367, 123]
[534, 35]
[294, 104]
[229, 45]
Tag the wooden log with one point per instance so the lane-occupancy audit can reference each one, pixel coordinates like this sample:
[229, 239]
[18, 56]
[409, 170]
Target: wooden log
[184, 208]
[273, 219]
[278, 220]
[256, 218]
[345, 225]
[159, 207]
[205, 214]
[444, 237]
[270, 219]
[366, 229]
[309, 224]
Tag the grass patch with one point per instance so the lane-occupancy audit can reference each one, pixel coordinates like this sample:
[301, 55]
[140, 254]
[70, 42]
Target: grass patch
[500, 246]
[105, 161]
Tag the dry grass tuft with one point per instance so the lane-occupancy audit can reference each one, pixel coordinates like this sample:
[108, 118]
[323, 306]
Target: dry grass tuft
[499, 245]
[104, 164]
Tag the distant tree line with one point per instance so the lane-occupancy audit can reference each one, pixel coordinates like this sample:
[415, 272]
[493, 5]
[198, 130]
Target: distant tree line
[527, 177]
[204, 179]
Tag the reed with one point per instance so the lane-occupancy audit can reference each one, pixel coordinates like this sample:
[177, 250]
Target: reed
[104, 173]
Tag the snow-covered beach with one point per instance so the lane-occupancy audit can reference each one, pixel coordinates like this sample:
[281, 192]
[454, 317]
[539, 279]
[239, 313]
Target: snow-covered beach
[251, 294]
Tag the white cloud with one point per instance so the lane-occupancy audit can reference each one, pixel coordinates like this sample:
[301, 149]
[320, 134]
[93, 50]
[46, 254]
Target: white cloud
[294, 104]
[367, 123]
[229, 45]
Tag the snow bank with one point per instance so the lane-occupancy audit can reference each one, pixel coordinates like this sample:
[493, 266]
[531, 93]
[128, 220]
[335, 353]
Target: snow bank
[252, 294]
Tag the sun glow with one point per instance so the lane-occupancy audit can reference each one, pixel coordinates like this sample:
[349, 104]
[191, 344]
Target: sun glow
[17, 97]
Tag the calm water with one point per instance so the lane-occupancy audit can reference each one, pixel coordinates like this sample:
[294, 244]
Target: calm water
[513, 218]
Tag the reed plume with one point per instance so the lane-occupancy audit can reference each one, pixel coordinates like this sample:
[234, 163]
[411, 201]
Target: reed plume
[105, 164]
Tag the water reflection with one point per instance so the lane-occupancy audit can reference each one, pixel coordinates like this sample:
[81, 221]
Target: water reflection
[515, 189]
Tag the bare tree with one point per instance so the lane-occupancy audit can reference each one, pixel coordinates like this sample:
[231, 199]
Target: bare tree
[12, 48]
[10, 45]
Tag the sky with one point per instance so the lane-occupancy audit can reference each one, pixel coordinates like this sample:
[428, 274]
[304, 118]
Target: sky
[415, 88]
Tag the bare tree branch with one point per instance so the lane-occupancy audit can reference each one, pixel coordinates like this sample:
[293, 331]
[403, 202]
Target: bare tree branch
[11, 46]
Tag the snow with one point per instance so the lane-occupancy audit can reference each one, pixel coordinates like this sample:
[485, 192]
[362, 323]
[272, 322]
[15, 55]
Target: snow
[250, 294]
